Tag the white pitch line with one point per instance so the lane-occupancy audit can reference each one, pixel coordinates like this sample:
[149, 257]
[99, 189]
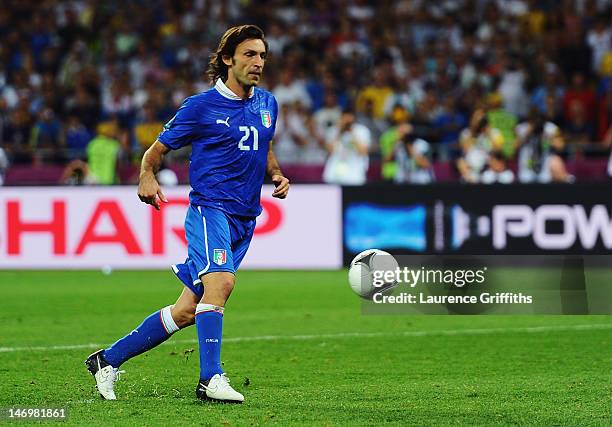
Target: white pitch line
[443, 332]
[531, 329]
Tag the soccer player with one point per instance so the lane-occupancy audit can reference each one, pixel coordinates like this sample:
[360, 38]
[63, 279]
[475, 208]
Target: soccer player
[230, 128]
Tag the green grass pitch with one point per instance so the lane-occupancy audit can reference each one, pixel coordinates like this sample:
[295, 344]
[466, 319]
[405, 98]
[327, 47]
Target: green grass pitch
[298, 347]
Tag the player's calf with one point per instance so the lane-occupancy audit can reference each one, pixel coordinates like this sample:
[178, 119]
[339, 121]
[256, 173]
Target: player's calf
[155, 329]
[213, 384]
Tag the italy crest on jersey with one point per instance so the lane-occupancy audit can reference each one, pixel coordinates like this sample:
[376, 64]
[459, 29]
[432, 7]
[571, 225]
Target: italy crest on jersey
[266, 118]
[220, 256]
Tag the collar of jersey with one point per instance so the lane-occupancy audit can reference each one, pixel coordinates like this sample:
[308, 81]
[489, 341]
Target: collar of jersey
[227, 92]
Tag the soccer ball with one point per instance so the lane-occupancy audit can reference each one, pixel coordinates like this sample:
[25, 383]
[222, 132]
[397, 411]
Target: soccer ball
[365, 266]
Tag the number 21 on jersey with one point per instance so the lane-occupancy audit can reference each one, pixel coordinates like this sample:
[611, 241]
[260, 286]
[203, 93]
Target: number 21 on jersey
[247, 130]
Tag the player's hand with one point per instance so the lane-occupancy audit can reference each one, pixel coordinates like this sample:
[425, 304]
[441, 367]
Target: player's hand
[282, 186]
[150, 192]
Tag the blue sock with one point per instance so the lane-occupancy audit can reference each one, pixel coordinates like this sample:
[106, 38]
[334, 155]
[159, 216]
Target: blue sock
[154, 330]
[209, 324]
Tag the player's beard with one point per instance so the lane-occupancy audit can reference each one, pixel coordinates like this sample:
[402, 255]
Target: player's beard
[252, 82]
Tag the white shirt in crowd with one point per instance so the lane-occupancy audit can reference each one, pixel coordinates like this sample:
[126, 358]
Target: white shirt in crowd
[291, 125]
[600, 43]
[292, 93]
[345, 166]
[325, 119]
[512, 90]
[477, 155]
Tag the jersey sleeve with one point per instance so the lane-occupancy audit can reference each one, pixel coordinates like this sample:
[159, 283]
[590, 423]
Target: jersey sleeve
[184, 127]
[274, 112]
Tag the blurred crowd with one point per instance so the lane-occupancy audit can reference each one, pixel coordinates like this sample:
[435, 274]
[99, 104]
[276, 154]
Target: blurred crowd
[502, 90]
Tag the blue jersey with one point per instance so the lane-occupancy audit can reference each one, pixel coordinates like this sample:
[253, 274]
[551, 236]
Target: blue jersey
[229, 140]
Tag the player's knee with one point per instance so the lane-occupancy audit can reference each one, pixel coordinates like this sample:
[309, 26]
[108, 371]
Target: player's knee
[218, 287]
[220, 281]
[226, 286]
[227, 283]
[183, 317]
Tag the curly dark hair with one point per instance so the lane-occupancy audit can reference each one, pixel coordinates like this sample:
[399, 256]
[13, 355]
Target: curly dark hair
[227, 47]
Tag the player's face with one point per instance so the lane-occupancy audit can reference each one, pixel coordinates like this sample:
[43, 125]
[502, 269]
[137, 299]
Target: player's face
[248, 62]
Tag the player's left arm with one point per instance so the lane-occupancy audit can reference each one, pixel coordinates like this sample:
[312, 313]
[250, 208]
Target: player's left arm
[274, 171]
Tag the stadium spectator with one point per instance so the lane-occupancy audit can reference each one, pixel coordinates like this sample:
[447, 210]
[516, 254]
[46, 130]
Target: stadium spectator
[540, 151]
[579, 93]
[368, 118]
[77, 173]
[375, 95]
[77, 137]
[348, 145]
[550, 87]
[449, 122]
[427, 112]
[578, 130]
[316, 86]
[290, 134]
[17, 88]
[400, 97]
[289, 90]
[45, 137]
[346, 42]
[502, 119]
[413, 157]
[73, 64]
[117, 101]
[16, 134]
[87, 62]
[277, 39]
[102, 154]
[476, 142]
[295, 137]
[326, 117]
[389, 140]
[554, 112]
[599, 39]
[512, 89]
[84, 105]
[147, 128]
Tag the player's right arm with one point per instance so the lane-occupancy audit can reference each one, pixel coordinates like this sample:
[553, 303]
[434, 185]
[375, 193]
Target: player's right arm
[183, 128]
[148, 188]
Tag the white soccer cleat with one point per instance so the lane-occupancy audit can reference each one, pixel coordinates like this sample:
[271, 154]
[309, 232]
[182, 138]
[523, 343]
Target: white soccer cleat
[219, 389]
[105, 375]
[105, 381]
